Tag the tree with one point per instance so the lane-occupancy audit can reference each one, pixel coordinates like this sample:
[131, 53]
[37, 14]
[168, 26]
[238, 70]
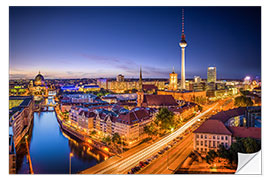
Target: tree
[106, 139]
[243, 101]
[242, 145]
[116, 138]
[165, 119]
[93, 132]
[150, 129]
[250, 145]
[211, 155]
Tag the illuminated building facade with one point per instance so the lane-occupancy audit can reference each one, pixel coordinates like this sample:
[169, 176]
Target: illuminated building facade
[120, 78]
[197, 79]
[211, 75]
[20, 116]
[173, 81]
[186, 96]
[38, 88]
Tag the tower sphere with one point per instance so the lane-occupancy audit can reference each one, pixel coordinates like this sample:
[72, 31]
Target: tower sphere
[183, 43]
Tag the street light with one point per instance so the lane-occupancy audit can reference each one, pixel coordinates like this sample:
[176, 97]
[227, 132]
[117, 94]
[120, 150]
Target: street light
[70, 155]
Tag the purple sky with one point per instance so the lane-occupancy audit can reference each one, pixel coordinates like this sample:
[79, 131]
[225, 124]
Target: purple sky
[91, 42]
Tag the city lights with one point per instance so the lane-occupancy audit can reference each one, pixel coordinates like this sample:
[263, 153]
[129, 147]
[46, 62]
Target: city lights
[88, 101]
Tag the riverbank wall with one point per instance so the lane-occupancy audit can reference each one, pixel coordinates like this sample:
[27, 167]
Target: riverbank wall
[100, 146]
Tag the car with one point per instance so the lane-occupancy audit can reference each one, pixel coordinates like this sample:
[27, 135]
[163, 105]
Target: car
[146, 162]
[133, 170]
[141, 164]
[137, 168]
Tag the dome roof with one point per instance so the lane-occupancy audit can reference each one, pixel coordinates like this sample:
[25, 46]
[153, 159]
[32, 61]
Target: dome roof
[39, 77]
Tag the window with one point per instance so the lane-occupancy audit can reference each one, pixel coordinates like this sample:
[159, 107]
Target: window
[205, 143]
[222, 138]
[205, 149]
[197, 143]
[201, 143]
[214, 137]
[202, 136]
[205, 136]
[218, 137]
[214, 144]
[197, 136]
[226, 137]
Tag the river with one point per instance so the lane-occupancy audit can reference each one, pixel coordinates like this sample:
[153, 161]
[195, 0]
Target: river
[50, 147]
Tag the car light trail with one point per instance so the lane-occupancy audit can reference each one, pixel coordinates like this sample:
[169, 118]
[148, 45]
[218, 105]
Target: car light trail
[135, 158]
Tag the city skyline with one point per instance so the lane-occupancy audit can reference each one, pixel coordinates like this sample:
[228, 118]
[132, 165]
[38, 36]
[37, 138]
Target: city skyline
[93, 42]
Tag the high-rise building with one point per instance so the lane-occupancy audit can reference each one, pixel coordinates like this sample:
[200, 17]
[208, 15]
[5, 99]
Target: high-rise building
[183, 45]
[211, 75]
[120, 78]
[173, 81]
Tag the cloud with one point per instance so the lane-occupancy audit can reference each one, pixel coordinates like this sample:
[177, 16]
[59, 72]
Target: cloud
[101, 59]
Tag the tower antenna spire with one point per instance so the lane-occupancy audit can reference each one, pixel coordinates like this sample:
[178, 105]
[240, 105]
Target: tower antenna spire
[183, 24]
[183, 21]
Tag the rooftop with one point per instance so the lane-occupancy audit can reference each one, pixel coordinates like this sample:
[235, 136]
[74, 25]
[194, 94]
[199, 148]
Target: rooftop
[159, 100]
[213, 127]
[243, 132]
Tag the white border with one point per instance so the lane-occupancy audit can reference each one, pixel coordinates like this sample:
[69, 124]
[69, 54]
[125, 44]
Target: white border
[4, 71]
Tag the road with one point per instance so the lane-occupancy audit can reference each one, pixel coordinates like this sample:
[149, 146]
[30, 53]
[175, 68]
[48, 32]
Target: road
[121, 165]
[170, 159]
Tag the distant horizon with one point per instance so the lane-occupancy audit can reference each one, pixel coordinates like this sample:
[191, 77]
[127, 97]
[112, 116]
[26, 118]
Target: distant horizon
[83, 42]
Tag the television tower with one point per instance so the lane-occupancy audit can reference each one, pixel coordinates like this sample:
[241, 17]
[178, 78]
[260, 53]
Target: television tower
[183, 44]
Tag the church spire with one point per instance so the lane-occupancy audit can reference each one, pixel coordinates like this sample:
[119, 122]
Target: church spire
[140, 80]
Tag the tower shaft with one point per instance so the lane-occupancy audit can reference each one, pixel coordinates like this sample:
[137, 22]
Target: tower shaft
[183, 75]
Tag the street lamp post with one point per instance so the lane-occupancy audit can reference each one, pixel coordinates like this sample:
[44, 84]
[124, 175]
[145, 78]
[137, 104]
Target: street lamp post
[70, 155]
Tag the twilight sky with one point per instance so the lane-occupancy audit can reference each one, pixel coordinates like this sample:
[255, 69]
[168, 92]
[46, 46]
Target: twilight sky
[91, 42]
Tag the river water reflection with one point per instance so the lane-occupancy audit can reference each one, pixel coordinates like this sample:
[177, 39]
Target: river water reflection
[50, 148]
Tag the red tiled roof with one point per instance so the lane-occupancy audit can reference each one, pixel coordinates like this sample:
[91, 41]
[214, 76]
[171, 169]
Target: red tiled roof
[213, 127]
[149, 86]
[159, 100]
[226, 115]
[243, 132]
[134, 116]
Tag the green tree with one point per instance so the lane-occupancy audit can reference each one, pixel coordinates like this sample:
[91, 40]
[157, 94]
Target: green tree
[250, 145]
[150, 129]
[243, 101]
[211, 155]
[165, 119]
[116, 138]
[106, 139]
[93, 132]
